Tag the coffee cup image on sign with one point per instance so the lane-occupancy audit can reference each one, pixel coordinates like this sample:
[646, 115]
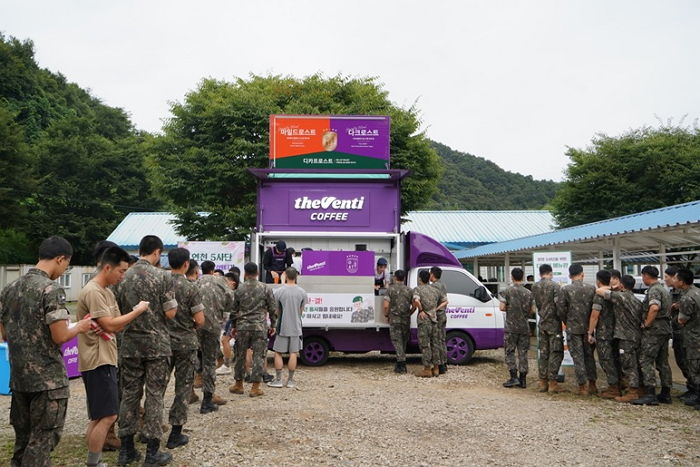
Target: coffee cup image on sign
[329, 140]
[361, 314]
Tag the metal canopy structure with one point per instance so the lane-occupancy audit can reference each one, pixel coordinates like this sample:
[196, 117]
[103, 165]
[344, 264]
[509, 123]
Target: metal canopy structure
[659, 236]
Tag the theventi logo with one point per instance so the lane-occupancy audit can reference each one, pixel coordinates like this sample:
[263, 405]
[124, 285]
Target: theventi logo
[329, 202]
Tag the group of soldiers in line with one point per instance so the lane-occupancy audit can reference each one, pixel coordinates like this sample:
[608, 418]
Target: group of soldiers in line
[164, 317]
[630, 336]
[429, 298]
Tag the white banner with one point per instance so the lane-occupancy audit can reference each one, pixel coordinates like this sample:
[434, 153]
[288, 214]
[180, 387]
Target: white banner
[224, 254]
[339, 309]
[559, 260]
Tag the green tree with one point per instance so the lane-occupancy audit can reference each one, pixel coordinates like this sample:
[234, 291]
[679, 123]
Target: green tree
[642, 169]
[221, 129]
[16, 181]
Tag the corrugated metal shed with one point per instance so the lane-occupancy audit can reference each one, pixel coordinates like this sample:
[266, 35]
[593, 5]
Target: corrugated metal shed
[137, 225]
[454, 229]
[667, 219]
[463, 229]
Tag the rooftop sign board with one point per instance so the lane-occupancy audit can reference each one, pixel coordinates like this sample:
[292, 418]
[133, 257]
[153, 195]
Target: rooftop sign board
[329, 142]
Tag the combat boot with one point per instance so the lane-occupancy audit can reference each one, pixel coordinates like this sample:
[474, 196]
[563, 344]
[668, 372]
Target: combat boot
[592, 388]
[542, 385]
[632, 394]
[426, 372]
[649, 398]
[112, 443]
[154, 457]
[554, 387]
[692, 399]
[612, 392]
[127, 452]
[176, 438]
[207, 404]
[442, 368]
[513, 381]
[236, 388]
[664, 396]
[193, 397]
[688, 393]
[218, 400]
[197, 384]
[255, 391]
[522, 380]
[582, 390]
[436, 370]
[400, 367]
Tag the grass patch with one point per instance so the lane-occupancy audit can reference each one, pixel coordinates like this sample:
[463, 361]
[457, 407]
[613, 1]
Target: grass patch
[71, 451]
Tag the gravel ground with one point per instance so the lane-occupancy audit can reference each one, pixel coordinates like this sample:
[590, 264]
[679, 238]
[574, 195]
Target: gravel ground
[355, 411]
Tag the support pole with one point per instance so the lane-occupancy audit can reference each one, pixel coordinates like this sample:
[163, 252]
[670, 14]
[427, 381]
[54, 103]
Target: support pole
[662, 258]
[601, 260]
[617, 264]
[506, 268]
[475, 267]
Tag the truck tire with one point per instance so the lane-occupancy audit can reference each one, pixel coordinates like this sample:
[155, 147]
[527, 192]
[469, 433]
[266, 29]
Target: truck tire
[314, 352]
[460, 347]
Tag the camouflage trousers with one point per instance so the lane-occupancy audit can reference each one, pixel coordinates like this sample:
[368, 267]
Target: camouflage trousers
[400, 331]
[428, 339]
[694, 371]
[256, 340]
[442, 337]
[184, 362]
[679, 353]
[209, 345]
[135, 374]
[37, 418]
[629, 361]
[653, 357]
[582, 355]
[609, 359]
[551, 354]
[516, 343]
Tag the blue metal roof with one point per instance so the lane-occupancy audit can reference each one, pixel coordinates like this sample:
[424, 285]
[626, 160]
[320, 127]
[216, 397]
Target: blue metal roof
[462, 229]
[137, 225]
[670, 216]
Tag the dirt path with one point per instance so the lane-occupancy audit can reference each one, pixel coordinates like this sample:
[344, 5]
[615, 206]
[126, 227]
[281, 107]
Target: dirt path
[355, 411]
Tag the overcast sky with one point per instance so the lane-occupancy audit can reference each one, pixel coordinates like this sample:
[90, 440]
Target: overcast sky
[512, 81]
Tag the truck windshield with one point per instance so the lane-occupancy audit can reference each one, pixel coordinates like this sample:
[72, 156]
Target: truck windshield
[458, 283]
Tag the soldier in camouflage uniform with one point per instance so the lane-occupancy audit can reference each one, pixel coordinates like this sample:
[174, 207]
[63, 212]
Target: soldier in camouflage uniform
[435, 275]
[655, 335]
[34, 322]
[628, 332]
[217, 298]
[676, 328]
[145, 352]
[550, 338]
[689, 319]
[361, 315]
[398, 308]
[426, 299]
[575, 304]
[252, 304]
[601, 329]
[183, 342]
[516, 302]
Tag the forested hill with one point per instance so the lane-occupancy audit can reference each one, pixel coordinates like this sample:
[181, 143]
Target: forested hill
[471, 182]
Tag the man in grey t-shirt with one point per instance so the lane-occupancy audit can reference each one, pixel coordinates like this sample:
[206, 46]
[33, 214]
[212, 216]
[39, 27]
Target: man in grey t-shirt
[291, 300]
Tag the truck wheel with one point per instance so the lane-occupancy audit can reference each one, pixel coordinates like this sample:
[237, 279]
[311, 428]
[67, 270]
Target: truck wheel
[314, 352]
[459, 348]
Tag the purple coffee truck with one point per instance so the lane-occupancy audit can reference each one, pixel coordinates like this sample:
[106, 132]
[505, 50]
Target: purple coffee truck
[343, 221]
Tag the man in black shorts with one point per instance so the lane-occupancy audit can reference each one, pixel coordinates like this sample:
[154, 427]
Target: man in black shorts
[98, 350]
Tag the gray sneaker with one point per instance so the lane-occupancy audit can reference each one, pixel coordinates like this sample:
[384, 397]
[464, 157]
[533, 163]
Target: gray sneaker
[276, 383]
[291, 384]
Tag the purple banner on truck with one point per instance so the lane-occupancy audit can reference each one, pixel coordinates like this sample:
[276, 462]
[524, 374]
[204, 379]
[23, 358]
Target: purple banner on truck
[329, 207]
[337, 263]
